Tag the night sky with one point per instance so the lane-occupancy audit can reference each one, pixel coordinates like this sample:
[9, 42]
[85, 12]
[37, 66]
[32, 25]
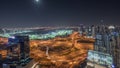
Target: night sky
[29, 13]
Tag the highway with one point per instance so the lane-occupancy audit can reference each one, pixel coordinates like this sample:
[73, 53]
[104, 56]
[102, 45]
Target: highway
[65, 52]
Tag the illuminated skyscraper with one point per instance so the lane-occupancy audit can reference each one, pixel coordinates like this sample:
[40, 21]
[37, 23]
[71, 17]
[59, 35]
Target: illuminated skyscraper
[90, 31]
[17, 52]
[107, 42]
[115, 42]
[18, 47]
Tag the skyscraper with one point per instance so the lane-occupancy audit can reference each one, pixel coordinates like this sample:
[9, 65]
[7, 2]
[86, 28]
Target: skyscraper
[107, 41]
[17, 52]
[18, 46]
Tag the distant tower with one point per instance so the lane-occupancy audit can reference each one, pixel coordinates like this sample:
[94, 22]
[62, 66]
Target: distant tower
[81, 29]
[4, 31]
[93, 31]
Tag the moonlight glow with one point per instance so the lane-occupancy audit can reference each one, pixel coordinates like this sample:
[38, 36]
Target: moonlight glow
[37, 3]
[37, 0]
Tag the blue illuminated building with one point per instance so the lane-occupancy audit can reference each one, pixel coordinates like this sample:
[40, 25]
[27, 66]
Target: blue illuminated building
[107, 41]
[18, 50]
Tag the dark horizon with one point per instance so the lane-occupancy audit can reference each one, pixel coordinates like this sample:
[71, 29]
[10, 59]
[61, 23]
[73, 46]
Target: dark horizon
[27, 13]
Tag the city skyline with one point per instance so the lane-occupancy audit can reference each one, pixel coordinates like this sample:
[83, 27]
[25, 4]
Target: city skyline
[29, 13]
[80, 47]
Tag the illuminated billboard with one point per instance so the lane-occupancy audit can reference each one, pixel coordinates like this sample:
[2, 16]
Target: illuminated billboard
[100, 58]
